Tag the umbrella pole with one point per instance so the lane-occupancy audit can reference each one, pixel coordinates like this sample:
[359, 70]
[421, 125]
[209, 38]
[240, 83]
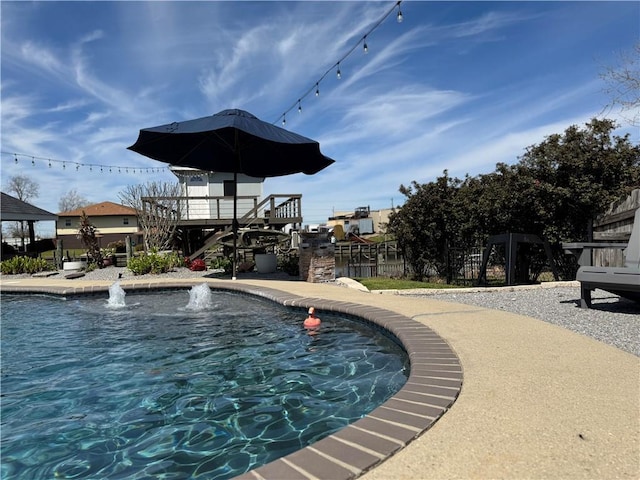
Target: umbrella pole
[234, 226]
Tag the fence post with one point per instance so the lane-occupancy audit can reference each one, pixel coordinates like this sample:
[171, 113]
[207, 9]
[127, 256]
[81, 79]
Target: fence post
[127, 244]
[59, 251]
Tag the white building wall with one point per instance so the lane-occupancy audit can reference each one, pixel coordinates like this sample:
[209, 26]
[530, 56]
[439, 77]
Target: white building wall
[197, 183]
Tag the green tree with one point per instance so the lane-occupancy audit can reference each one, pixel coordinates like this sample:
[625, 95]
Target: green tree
[426, 224]
[574, 177]
[87, 233]
[556, 190]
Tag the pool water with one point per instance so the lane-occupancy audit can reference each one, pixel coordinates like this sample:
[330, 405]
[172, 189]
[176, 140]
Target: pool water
[160, 386]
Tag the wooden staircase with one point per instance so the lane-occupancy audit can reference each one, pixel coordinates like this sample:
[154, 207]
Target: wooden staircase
[279, 215]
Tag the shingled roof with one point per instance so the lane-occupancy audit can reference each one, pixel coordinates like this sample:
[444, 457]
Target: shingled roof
[14, 209]
[100, 210]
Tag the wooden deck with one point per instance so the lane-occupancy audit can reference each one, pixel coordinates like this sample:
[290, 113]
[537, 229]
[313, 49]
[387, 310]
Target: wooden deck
[202, 220]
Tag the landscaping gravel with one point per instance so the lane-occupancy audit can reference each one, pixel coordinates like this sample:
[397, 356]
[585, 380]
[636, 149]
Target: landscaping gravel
[612, 320]
[122, 273]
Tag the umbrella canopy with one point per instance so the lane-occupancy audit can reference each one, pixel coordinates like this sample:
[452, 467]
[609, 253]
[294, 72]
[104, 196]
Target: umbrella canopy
[232, 141]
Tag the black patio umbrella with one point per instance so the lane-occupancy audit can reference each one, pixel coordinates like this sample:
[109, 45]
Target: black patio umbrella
[232, 141]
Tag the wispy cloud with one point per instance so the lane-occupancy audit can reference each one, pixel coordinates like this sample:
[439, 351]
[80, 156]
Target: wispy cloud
[457, 86]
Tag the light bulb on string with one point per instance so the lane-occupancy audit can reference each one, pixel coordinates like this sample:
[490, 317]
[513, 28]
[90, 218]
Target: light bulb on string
[399, 17]
[33, 162]
[16, 159]
[49, 163]
[365, 47]
[338, 72]
[299, 107]
[284, 119]
[64, 166]
[317, 90]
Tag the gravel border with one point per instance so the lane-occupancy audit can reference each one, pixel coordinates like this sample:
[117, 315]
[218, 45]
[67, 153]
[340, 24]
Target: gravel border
[612, 320]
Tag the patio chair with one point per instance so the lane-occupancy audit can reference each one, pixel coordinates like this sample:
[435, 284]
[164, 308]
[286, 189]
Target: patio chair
[621, 281]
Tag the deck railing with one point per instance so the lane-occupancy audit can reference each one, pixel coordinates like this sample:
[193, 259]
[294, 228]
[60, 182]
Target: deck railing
[272, 207]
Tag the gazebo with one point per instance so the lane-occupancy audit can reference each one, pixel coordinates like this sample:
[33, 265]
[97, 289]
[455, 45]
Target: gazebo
[15, 210]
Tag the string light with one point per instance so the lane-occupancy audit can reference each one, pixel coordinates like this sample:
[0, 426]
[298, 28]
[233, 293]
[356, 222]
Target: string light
[316, 85]
[50, 163]
[315, 88]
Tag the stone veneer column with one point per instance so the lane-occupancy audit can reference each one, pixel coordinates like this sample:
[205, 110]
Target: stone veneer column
[317, 259]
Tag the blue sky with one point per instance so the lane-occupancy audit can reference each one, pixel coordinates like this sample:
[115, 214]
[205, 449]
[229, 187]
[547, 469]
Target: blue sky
[457, 85]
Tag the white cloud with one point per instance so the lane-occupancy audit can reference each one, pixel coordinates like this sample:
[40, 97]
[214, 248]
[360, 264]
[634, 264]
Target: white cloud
[407, 110]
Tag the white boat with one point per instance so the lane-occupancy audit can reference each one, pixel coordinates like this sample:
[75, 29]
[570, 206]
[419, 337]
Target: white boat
[255, 238]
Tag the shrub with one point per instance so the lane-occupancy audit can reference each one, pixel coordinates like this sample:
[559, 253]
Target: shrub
[118, 246]
[222, 262]
[290, 264]
[197, 265]
[44, 245]
[17, 265]
[154, 263]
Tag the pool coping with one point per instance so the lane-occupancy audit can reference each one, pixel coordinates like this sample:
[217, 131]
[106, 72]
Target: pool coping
[434, 383]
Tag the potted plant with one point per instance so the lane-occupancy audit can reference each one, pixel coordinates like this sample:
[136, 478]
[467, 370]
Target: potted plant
[265, 262]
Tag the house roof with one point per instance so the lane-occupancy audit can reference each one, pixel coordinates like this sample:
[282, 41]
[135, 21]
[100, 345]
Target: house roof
[13, 209]
[100, 210]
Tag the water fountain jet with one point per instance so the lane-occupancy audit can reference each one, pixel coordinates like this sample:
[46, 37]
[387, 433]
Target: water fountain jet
[116, 296]
[200, 297]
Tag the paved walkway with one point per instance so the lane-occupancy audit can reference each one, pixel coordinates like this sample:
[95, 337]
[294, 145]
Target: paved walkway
[537, 401]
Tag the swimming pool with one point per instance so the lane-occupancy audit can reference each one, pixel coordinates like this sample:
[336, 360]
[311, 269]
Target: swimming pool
[159, 389]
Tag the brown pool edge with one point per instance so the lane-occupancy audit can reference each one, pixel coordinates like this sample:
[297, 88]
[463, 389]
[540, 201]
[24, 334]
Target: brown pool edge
[434, 383]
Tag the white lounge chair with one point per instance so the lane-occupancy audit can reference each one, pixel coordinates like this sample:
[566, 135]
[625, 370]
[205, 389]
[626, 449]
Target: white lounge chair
[622, 281]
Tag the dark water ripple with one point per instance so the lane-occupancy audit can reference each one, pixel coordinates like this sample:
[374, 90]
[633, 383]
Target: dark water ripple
[157, 390]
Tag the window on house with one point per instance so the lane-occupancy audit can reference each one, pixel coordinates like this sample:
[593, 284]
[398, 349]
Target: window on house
[229, 187]
[125, 221]
[67, 222]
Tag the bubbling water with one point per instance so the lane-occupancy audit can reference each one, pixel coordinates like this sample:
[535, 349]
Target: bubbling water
[200, 297]
[116, 296]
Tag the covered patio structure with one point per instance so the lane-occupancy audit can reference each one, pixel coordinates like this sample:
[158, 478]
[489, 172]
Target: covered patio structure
[16, 210]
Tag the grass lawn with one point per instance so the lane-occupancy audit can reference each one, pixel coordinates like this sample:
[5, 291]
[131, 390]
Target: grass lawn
[73, 253]
[383, 283]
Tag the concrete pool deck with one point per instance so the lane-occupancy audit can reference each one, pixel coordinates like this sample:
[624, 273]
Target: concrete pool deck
[536, 400]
